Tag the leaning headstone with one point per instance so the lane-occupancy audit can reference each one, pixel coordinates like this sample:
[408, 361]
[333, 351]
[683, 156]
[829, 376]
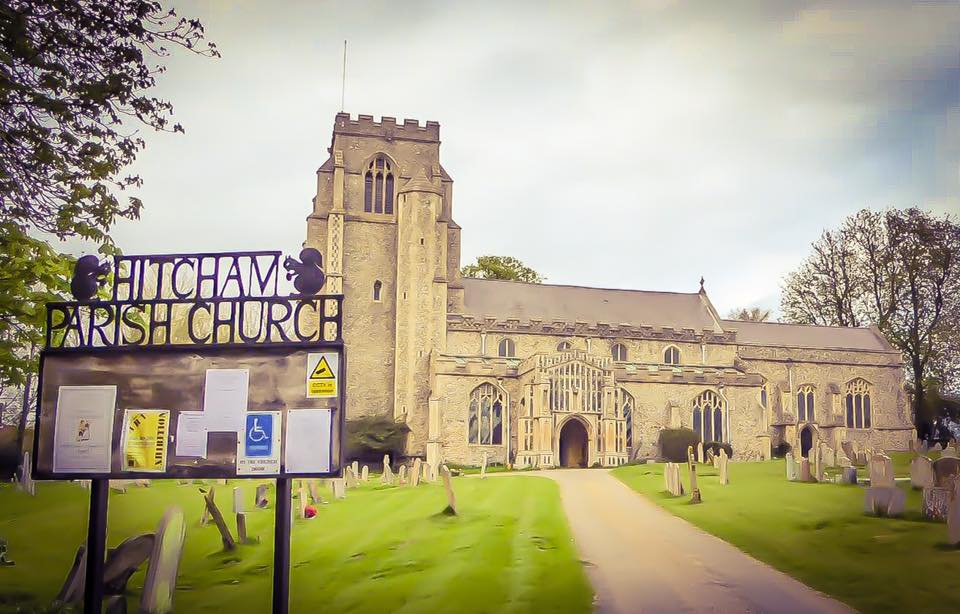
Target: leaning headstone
[921, 472]
[451, 508]
[881, 471]
[792, 469]
[700, 452]
[350, 477]
[849, 476]
[260, 499]
[805, 475]
[483, 467]
[365, 474]
[724, 471]
[214, 511]
[953, 516]
[944, 470]
[205, 514]
[416, 472]
[161, 578]
[936, 503]
[403, 474]
[886, 501]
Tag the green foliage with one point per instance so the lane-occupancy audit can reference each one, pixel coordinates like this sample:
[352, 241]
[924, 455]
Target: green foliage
[675, 442]
[899, 271]
[501, 267]
[781, 449]
[370, 437]
[716, 446]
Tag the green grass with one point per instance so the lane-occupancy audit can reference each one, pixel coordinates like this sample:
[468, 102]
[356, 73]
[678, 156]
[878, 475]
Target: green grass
[819, 534]
[380, 550]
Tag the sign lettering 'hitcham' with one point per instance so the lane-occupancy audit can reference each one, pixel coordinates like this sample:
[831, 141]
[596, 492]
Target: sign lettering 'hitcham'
[194, 299]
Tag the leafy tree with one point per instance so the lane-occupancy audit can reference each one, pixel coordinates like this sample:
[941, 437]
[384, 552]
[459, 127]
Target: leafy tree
[751, 314]
[899, 271]
[501, 267]
[75, 77]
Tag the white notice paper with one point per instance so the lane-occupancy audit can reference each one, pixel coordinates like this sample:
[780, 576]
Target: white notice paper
[307, 447]
[83, 431]
[225, 399]
[192, 434]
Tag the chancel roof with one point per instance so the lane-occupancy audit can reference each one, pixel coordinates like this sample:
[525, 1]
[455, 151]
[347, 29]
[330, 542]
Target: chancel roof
[548, 302]
[802, 335]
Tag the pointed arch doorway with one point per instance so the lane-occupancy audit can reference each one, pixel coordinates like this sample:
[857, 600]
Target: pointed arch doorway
[573, 444]
[806, 441]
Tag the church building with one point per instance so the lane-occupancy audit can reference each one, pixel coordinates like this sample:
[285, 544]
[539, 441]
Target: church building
[554, 375]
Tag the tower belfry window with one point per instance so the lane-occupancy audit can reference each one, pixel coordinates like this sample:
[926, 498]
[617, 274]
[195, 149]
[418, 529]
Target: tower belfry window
[378, 183]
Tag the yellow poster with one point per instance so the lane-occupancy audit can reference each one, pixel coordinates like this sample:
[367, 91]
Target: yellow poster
[322, 375]
[145, 433]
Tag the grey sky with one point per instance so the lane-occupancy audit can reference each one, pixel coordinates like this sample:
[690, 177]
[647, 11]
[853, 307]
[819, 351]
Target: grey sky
[636, 145]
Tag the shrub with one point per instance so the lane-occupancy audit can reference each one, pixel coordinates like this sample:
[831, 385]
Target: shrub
[780, 450]
[716, 446]
[370, 437]
[674, 443]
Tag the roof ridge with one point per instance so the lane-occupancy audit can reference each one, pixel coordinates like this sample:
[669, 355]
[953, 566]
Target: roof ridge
[529, 283]
[867, 328]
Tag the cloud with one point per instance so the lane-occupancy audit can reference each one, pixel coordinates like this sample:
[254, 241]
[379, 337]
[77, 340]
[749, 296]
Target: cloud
[617, 144]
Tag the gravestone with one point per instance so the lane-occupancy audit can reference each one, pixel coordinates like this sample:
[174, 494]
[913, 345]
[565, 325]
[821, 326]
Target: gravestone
[829, 456]
[886, 501]
[350, 477]
[238, 506]
[921, 472]
[805, 471]
[240, 510]
[949, 452]
[724, 468]
[849, 476]
[416, 472]
[205, 514]
[387, 477]
[848, 450]
[792, 469]
[671, 476]
[944, 470]
[690, 457]
[843, 460]
[119, 486]
[214, 512]
[355, 465]
[315, 493]
[302, 499]
[483, 467]
[260, 499]
[26, 483]
[924, 446]
[403, 475]
[427, 472]
[339, 488]
[451, 508]
[694, 490]
[881, 471]
[700, 452]
[861, 458]
[953, 515]
[936, 503]
[365, 474]
[161, 578]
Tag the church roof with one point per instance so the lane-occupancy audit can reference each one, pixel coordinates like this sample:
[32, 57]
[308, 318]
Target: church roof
[420, 183]
[802, 335]
[548, 302]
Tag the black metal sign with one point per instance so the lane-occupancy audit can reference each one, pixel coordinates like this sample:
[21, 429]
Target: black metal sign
[140, 343]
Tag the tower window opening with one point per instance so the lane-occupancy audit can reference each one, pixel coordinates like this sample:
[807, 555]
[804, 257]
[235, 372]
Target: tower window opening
[378, 186]
[377, 290]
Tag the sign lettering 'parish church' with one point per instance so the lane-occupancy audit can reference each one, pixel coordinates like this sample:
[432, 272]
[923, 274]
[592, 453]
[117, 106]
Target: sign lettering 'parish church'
[549, 375]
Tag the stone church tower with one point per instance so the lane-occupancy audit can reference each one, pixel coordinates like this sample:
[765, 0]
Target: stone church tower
[382, 219]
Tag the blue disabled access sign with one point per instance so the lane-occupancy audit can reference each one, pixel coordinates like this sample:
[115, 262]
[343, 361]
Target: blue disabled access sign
[260, 444]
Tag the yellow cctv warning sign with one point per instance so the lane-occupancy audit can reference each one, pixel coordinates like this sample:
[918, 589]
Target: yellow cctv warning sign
[322, 370]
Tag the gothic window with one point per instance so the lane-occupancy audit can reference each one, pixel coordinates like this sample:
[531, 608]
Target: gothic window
[763, 396]
[708, 411]
[619, 352]
[626, 410]
[564, 346]
[805, 404]
[858, 404]
[485, 419]
[378, 186]
[507, 348]
[671, 355]
[377, 290]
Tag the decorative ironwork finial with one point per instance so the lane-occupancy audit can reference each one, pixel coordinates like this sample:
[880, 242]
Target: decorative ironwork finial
[88, 275]
[306, 273]
[701, 283]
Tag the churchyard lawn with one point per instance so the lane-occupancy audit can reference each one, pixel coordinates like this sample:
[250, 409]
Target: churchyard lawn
[380, 550]
[818, 534]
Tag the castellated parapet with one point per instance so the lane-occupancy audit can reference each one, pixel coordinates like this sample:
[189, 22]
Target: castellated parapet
[387, 128]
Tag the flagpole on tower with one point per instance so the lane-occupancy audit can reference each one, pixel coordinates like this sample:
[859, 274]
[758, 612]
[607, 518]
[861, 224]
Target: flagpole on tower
[343, 84]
